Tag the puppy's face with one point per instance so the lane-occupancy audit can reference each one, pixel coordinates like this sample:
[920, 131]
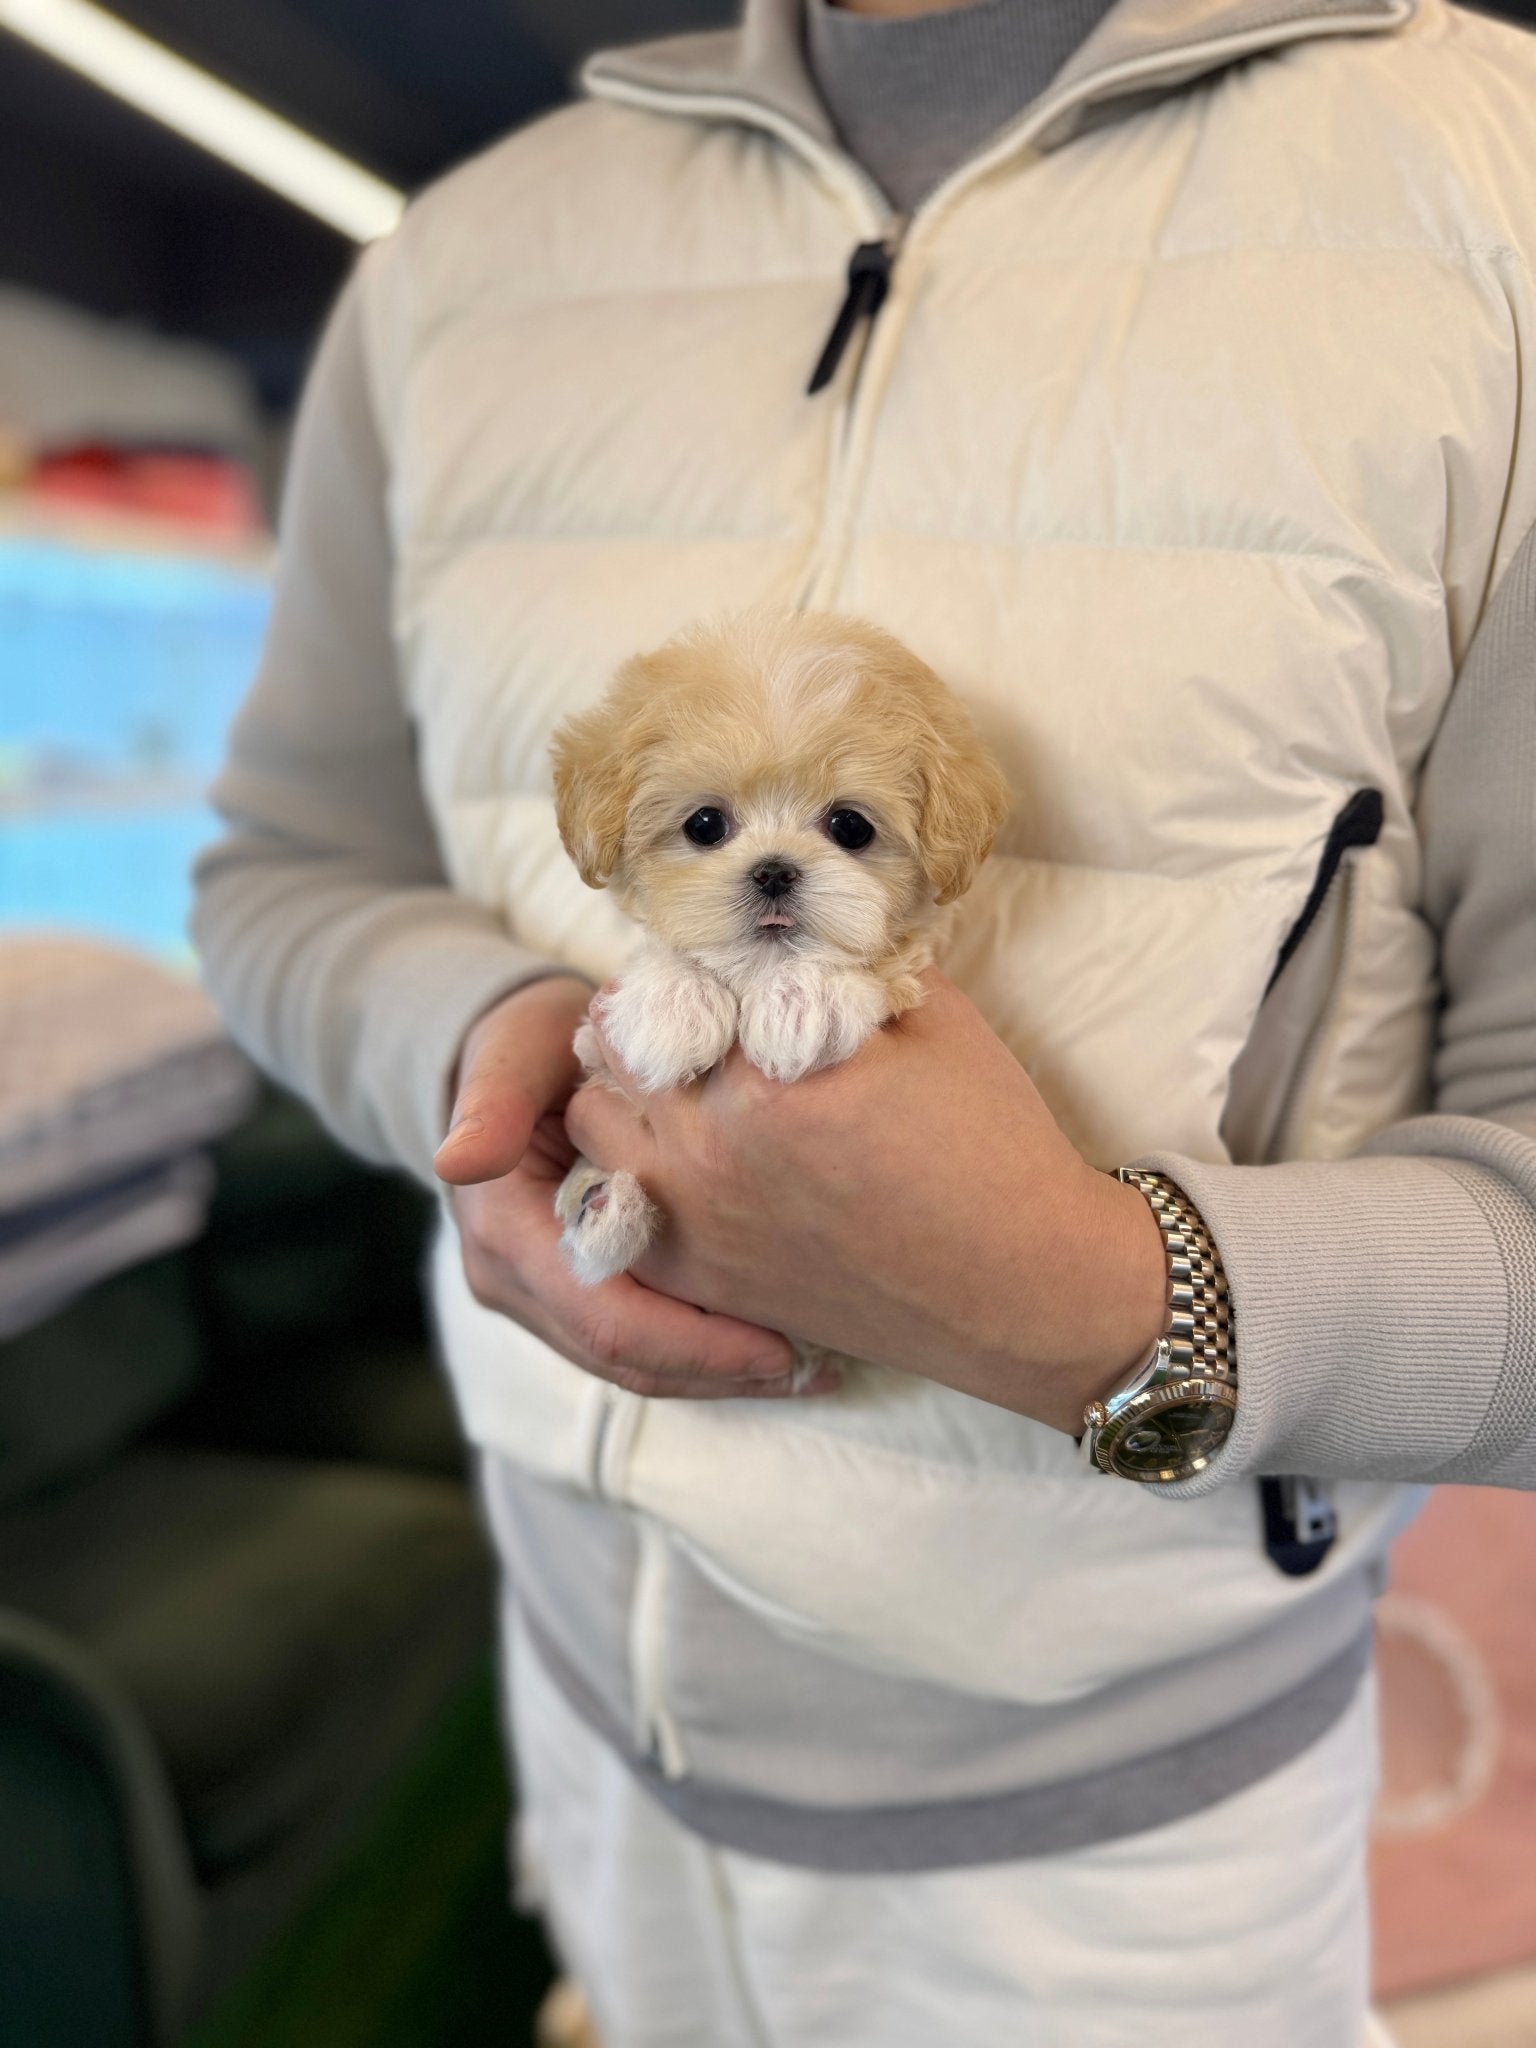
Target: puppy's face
[777, 784]
[733, 851]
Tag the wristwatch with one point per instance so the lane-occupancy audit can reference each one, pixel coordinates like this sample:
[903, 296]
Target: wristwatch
[1172, 1415]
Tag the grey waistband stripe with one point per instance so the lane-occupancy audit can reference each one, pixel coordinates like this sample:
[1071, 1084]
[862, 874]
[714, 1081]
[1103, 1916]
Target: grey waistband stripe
[1040, 1820]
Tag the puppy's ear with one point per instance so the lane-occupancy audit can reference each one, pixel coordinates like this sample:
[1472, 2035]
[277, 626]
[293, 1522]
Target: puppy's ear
[965, 801]
[596, 760]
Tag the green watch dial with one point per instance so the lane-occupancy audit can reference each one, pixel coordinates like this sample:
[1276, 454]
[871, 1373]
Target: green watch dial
[1170, 1433]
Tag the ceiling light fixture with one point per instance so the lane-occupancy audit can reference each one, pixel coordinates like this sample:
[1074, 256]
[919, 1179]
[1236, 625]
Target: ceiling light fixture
[208, 112]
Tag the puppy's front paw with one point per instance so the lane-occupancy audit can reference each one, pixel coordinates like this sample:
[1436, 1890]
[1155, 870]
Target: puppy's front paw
[609, 1220]
[799, 1018]
[669, 1027]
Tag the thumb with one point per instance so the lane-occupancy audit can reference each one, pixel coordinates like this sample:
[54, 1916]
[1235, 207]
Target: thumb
[517, 1064]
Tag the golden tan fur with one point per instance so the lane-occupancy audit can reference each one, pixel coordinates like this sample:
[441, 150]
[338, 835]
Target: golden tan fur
[783, 716]
[781, 801]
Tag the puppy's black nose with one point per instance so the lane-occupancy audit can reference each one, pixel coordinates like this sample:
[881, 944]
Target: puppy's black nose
[775, 877]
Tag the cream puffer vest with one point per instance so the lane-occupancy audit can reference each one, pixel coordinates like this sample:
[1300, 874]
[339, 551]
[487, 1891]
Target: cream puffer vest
[1187, 450]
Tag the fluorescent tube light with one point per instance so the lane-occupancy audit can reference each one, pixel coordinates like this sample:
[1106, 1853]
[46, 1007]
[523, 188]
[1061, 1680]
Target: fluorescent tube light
[208, 112]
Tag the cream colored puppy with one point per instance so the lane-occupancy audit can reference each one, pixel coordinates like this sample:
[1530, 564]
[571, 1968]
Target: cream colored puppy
[782, 800]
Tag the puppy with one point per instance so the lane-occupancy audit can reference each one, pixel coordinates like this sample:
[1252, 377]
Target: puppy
[782, 800]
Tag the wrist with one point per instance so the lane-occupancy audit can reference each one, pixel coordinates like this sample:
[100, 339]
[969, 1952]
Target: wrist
[1117, 1285]
[1172, 1415]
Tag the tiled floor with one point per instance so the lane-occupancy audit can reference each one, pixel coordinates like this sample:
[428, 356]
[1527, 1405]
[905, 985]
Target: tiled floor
[1498, 2012]
[1495, 2012]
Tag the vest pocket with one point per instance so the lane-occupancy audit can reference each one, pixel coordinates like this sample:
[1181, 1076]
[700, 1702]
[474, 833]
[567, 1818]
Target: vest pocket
[1126, 993]
[1340, 1043]
[1313, 1056]
[1357, 825]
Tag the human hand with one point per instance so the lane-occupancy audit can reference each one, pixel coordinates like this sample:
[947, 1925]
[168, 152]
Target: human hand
[916, 1205]
[505, 1155]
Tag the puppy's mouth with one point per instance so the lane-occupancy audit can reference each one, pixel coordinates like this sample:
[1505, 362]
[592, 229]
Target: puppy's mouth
[775, 921]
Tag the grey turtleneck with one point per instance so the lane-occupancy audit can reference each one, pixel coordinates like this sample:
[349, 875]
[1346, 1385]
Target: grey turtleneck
[913, 97]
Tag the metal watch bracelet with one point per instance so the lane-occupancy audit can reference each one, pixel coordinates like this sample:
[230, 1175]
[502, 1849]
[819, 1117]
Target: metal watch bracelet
[1172, 1415]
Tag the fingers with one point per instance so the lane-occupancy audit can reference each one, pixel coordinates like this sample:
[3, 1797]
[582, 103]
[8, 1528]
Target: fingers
[620, 1331]
[488, 1135]
[656, 1388]
[606, 1128]
[625, 1331]
[517, 1063]
[652, 1344]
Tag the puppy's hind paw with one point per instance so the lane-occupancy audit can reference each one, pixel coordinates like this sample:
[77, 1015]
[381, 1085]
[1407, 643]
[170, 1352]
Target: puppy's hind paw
[811, 1362]
[609, 1220]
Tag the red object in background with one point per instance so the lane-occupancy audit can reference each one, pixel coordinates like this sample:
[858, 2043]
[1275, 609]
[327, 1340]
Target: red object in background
[1453, 1859]
[191, 486]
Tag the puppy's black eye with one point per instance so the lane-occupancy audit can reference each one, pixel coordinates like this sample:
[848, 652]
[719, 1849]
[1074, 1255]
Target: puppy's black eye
[706, 827]
[850, 829]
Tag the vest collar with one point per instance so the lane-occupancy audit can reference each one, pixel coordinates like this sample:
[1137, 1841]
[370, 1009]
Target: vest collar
[756, 72]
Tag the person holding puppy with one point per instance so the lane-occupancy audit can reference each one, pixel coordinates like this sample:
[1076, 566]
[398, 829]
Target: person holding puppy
[1154, 375]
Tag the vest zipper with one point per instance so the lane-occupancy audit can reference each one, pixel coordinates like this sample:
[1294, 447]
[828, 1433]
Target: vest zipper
[612, 1419]
[655, 1733]
[602, 1403]
[869, 279]
[869, 286]
[610, 1423]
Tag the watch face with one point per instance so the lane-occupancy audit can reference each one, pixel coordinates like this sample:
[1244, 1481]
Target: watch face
[1171, 1433]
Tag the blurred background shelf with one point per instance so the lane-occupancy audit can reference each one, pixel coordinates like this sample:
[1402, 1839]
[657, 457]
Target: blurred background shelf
[249, 1768]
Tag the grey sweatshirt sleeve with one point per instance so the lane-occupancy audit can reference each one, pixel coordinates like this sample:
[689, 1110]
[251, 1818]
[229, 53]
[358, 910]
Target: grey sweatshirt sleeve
[328, 934]
[1385, 1305]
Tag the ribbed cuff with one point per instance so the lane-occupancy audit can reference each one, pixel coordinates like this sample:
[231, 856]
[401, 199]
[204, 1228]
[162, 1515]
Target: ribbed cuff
[1372, 1310]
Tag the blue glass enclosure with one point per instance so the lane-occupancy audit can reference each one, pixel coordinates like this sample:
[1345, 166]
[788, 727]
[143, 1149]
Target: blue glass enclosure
[119, 673]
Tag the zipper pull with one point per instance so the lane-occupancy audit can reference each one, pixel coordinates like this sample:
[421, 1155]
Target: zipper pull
[869, 279]
[1357, 825]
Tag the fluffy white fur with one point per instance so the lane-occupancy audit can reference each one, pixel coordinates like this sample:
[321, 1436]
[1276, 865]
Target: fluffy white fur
[779, 936]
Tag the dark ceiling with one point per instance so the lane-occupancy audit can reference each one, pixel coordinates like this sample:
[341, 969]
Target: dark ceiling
[104, 208]
[113, 212]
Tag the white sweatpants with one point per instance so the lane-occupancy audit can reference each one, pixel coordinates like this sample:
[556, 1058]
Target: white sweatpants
[1241, 1927]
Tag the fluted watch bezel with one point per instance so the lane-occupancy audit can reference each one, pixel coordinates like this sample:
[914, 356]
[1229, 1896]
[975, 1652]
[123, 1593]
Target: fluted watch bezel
[1173, 1414]
[1143, 1431]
